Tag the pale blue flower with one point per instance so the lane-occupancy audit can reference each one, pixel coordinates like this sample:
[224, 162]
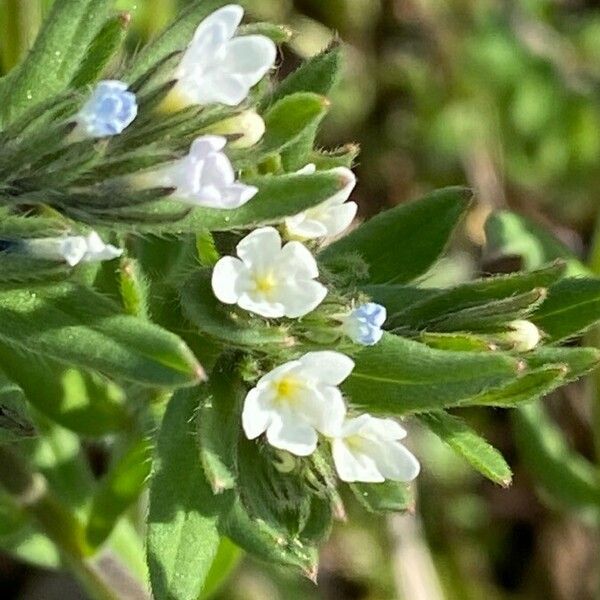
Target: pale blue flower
[364, 323]
[109, 110]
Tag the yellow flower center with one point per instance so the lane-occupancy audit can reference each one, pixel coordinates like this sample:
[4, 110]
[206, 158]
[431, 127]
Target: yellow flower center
[287, 388]
[265, 283]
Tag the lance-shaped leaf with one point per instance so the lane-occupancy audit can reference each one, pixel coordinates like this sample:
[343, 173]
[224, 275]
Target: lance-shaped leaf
[386, 497]
[75, 325]
[54, 59]
[578, 361]
[572, 306]
[514, 235]
[182, 538]
[118, 490]
[398, 298]
[562, 473]
[402, 243]
[224, 323]
[400, 376]
[479, 453]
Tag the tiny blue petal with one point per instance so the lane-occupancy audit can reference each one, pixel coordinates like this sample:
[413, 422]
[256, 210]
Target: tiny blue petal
[109, 110]
[363, 324]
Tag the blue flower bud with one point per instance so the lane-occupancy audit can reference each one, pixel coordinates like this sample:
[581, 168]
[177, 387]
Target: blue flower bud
[109, 110]
[363, 325]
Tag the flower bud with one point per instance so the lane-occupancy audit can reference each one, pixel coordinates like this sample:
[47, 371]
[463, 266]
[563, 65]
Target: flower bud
[363, 325]
[523, 335]
[247, 127]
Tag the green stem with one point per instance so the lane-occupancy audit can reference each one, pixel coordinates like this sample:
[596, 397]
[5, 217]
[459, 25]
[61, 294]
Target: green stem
[31, 493]
[21, 20]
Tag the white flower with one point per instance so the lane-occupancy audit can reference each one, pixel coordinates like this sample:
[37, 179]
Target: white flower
[267, 279]
[248, 126]
[363, 325]
[367, 449]
[218, 67]
[328, 218]
[523, 335]
[72, 249]
[298, 399]
[204, 177]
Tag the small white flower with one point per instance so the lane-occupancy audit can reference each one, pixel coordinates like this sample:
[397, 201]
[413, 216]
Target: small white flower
[267, 279]
[329, 218]
[205, 177]
[109, 110]
[363, 325]
[72, 249]
[368, 449]
[298, 399]
[523, 335]
[248, 126]
[218, 67]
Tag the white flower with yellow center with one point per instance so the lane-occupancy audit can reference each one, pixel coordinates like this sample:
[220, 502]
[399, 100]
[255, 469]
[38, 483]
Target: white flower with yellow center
[329, 218]
[368, 449]
[268, 279]
[298, 400]
[219, 67]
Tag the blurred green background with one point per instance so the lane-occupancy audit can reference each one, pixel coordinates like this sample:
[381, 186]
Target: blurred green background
[503, 95]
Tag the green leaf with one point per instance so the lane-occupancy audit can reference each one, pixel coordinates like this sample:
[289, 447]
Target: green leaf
[481, 455]
[289, 118]
[386, 497]
[223, 323]
[318, 75]
[397, 298]
[118, 490]
[572, 306]
[436, 304]
[226, 560]
[79, 400]
[73, 324]
[401, 376]
[15, 422]
[176, 37]
[54, 59]
[182, 538]
[513, 235]
[219, 421]
[561, 472]
[104, 46]
[402, 243]
[578, 361]
[462, 342]
[278, 196]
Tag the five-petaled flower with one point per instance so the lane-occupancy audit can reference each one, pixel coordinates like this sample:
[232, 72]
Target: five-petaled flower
[71, 249]
[205, 177]
[298, 399]
[363, 324]
[368, 449]
[329, 218]
[218, 67]
[108, 111]
[268, 279]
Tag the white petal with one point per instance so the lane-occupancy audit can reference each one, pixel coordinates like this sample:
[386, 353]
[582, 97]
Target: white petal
[354, 466]
[325, 409]
[308, 169]
[209, 38]
[229, 17]
[338, 218]
[72, 249]
[256, 415]
[237, 194]
[278, 372]
[260, 306]
[228, 278]
[395, 462]
[296, 260]
[217, 171]
[205, 145]
[349, 179]
[303, 228]
[381, 429]
[327, 366]
[299, 297]
[293, 435]
[221, 88]
[250, 56]
[260, 247]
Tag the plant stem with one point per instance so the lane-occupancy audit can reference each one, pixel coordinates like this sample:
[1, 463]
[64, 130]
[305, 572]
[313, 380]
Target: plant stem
[31, 493]
[20, 22]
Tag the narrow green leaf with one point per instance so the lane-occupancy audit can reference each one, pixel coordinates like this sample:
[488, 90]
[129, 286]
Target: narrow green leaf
[562, 473]
[118, 490]
[74, 324]
[402, 243]
[481, 455]
[514, 235]
[398, 298]
[224, 323]
[401, 376]
[386, 497]
[578, 361]
[226, 560]
[182, 538]
[462, 342]
[572, 307]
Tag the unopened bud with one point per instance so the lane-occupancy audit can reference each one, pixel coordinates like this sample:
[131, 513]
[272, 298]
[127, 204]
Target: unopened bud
[523, 335]
[285, 462]
[246, 127]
